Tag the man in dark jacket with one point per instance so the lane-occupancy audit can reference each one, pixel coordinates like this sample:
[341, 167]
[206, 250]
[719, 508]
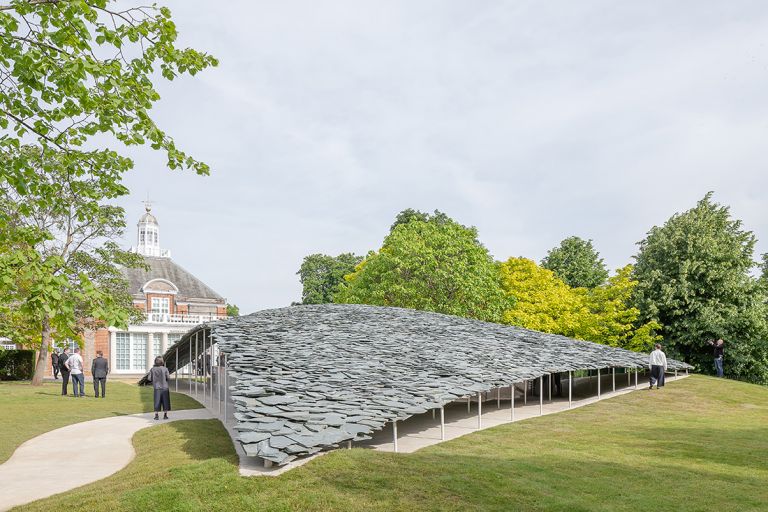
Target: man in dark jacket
[717, 354]
[64, 371]
[55, 364]
[99, 371]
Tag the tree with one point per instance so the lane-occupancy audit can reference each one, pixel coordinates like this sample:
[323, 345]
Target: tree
[433, 266]
[233, 310]
[694, 279]
[577, 263]
[409, 214]
[60, 265]
[543, 302]
[76, 77]
[602, 314]
[321, 275]
[72, 70]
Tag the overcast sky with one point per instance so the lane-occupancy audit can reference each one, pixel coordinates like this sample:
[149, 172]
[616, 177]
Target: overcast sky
[531, 120]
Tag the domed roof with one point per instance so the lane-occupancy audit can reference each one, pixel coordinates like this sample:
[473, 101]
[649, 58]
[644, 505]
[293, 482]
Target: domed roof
[148, 218]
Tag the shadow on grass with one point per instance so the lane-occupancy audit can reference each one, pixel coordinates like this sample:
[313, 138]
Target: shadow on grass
[205, 439]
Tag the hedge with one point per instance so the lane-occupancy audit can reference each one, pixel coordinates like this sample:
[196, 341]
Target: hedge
[17, 364]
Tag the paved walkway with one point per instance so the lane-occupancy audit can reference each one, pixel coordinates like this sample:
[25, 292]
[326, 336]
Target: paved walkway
[75, 455]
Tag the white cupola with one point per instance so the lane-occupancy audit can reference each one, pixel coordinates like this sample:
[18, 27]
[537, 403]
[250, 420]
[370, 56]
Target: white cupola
[148, 235]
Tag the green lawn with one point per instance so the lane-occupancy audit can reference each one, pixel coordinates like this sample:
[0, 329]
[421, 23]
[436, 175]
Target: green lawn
[700, 444]
[28, 411]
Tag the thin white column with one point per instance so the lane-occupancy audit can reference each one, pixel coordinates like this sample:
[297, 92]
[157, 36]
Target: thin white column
[525, 392]
[512, 400]
[541, 395]
[226, 381]
[629, 378]
[479, 411]
[164, 343]
[176, 373]
[197, 341]
[210, 346]
[433, 414]
[675, 373]
[498, 396]
[394, 435]
[469, 399]
[113, 351]
[598, 383]
[613, 376]
[205, 367]
[442, 423]
[570, 389]
[635, 378]
[349, 444]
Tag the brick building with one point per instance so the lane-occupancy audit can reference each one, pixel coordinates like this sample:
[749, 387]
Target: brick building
[172, 299]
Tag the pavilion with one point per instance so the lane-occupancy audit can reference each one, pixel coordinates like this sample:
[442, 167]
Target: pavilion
[303, 379]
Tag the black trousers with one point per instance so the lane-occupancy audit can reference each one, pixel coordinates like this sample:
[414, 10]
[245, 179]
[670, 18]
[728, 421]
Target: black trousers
[657, 375]
[99, 381]
[162, 399]
[55, 371]
[64, 381]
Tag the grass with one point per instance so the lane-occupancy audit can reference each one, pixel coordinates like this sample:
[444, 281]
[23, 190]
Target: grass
[28, 411]
[700, 444]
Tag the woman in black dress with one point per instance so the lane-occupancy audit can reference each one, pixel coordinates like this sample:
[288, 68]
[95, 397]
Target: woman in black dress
[159, 377]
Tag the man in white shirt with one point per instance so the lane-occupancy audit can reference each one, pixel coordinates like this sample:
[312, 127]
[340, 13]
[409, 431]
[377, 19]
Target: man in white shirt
[657, 362]
[75, 365]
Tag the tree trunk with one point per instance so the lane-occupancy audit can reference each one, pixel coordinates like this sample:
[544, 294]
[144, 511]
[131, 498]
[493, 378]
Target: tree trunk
[42, 357]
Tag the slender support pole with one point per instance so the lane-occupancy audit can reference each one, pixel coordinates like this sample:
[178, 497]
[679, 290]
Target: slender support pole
[469, 400]
[267, 463]
[512, 400]
[210, 344]
[442, 423]
[177, 369]
[433, 414]
[541, 395]
[349, 444]
[204, 365]
[218, 379]
[570, 389]
[525, 392]
[613, 377]
[226, 381]
[598, 383]
[189, 366]
[635, 378]
[498, 397]
[394, 435]
[675, 373]
[197, 342]
[629, 378]
[686, 371]
[479, 411]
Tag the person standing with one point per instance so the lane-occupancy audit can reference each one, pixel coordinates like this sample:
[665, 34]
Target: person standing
[75, 366]
[55, 364]
[159, 376]
[717, 353]
[657, 362]
[99, 371]
[64, 371]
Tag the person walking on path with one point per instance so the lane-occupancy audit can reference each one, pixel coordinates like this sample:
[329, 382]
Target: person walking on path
[717, 353]
[55, 364]
[64, 371]
[75, 366]
[99, 371]
[158, 375]
[658, 365]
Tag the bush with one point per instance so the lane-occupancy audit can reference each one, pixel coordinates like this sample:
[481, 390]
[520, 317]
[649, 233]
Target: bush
[17, 364]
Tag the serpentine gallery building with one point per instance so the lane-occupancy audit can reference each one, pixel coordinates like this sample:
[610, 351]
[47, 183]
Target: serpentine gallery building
[173, 301]
[296, 381]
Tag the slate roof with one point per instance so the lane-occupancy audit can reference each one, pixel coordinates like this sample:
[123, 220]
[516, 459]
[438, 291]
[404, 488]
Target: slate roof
[189, 286]
[306, 378]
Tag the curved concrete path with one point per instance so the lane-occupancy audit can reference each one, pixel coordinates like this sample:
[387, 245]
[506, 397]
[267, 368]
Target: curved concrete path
[75, 455]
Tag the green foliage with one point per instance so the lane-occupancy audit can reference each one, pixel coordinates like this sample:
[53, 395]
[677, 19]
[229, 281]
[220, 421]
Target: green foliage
[17, 364]
[409, 214]
[694, 280]
[321, 275]
[577, 263]
[434, 266]
[77, 69]
[233, 310]
[602, 314]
